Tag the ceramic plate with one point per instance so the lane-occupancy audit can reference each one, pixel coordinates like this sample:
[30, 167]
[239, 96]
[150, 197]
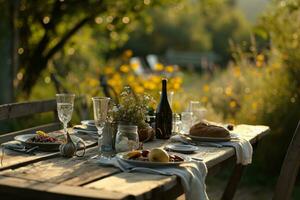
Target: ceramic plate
[139, 163]
[208, 139]
[90, 125]
[24, 139]
[182, 148]
[84, 129]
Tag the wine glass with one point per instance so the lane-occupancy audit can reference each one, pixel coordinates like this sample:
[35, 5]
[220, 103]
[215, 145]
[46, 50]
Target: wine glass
[100, 105]
[65, 104]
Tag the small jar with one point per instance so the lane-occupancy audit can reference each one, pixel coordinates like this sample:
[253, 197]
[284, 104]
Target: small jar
[176, 124]
[127, 138]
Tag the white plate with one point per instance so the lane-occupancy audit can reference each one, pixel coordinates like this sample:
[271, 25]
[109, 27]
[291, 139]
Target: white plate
[90, 125]
[139, 163]
[79, 130]
[43, 146]
[182, 148]
[209, 139]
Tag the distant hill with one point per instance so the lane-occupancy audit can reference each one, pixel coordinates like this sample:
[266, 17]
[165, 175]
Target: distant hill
[252, 8]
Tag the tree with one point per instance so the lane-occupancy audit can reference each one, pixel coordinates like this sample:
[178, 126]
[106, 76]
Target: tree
[205, 25]
[8, 43]
[46, 26]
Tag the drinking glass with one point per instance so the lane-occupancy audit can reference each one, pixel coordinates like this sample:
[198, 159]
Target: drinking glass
[197, 110]
[65, 104]
[105, 139]
[100, 105]
[187, 121]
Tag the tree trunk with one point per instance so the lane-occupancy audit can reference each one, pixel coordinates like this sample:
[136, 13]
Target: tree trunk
[8, 52]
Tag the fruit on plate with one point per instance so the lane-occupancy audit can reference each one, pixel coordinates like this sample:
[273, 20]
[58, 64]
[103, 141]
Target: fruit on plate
[145, 153]
[158, 155]
[133, 154]
[43, 137]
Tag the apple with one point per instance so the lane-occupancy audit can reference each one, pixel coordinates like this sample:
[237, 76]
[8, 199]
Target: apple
[158, 155]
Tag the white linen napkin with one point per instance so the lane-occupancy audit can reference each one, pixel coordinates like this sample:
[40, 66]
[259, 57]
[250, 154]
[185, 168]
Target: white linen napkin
[243, 148]
[192, 175]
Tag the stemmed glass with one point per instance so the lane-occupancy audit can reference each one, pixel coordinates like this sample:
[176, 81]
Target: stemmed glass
[65, 104]
[100, 105]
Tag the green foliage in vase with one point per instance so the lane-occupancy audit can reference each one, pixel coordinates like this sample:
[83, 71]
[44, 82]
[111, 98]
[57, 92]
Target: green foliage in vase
[132, 108]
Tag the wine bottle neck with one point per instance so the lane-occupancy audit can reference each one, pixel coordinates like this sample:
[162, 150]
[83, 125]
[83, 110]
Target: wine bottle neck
[164, 90]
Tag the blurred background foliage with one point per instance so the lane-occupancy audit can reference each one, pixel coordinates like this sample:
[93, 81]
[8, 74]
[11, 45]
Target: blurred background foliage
[254, 80]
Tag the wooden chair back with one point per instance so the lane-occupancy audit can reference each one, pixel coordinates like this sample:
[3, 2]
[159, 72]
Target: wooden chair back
[16, 110]
[289, 169]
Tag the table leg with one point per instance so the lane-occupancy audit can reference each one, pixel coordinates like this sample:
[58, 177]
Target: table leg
[233, 182]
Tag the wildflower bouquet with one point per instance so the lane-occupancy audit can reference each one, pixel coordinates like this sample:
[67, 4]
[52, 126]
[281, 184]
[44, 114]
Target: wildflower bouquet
[132, 109]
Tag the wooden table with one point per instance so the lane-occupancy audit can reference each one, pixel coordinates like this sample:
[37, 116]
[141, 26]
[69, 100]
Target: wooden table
[49, 176]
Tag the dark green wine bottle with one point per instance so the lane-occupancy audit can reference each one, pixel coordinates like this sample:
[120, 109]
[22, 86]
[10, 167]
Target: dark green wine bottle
[163, 117]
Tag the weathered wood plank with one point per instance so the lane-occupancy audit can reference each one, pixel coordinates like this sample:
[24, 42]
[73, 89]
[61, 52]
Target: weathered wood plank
[15, 110]
[69, 171]
[15, 188]
[137, 184]
[47, 128]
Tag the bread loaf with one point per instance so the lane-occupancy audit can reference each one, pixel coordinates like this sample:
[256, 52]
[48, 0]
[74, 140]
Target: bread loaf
[203, 129]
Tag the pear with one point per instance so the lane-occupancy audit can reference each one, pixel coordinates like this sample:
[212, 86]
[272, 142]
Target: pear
[158, 155]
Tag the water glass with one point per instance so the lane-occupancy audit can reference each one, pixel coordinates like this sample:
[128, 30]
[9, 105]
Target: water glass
[198, 112]
[65, 104]
[187, 121]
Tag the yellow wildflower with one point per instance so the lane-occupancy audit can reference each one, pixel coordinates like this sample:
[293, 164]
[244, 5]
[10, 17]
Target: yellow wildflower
[138, 89]
[206, 88]
[134, 66]
[232, 104]
[108, 70]
[93, 82]
[124, 68]
[228, 91]
[177, 79]
[176, 105]
[237, 71]
[130, 79]
[176, 86]
[128, 53]
[254, 105]
[158, 67]
[260, 57]
[259, 64]
[169, 69]
[149, 85]
[156, 79]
